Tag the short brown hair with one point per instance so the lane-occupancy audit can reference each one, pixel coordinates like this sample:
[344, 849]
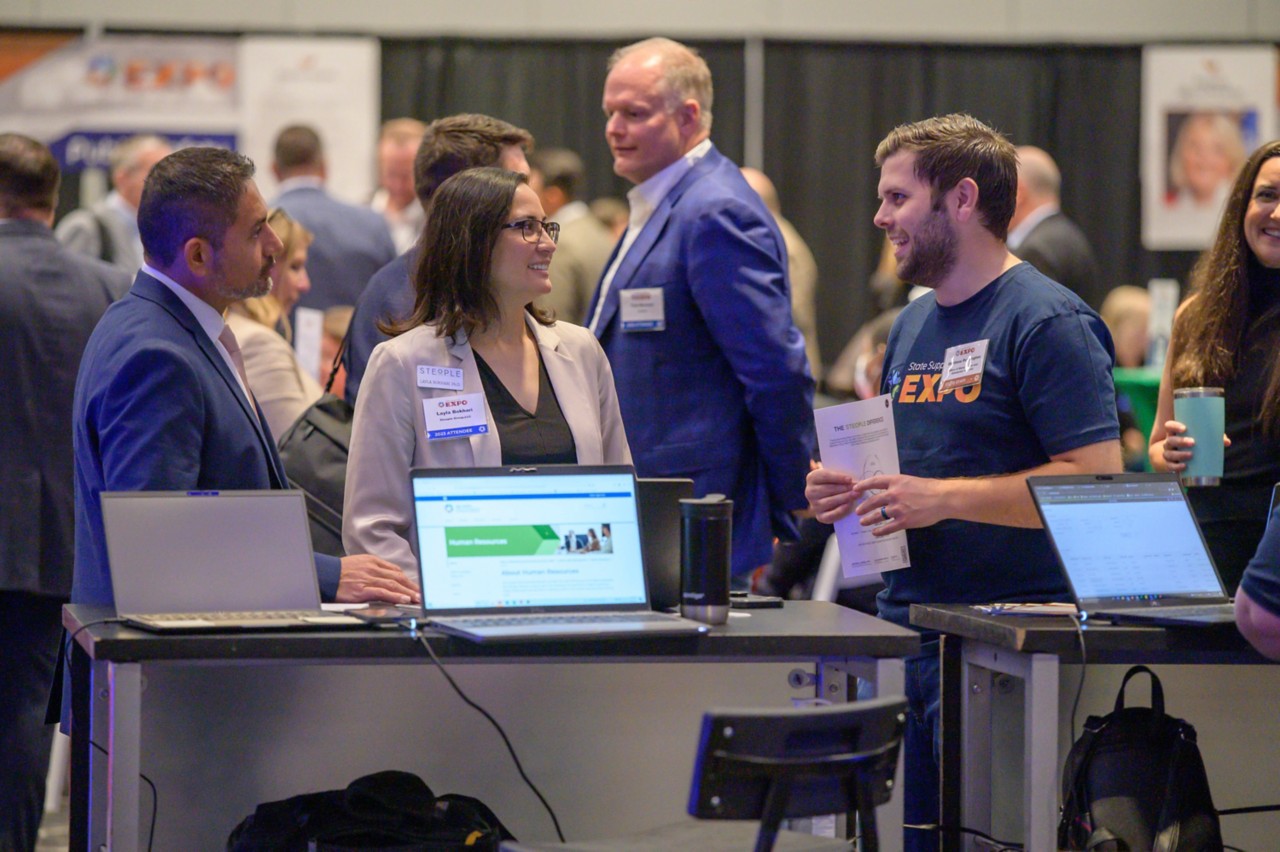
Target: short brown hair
[193, 192]
[952, 147]
[29, 175]
[459, 142]
[451, 279]
[298, 145]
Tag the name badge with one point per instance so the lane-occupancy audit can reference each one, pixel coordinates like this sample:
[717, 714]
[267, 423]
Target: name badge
[643, 309]
[455, 416]
[440, 378]
[962, 365]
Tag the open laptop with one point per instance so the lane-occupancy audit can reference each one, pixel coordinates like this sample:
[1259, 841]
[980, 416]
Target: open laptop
[1131, 548]
[532, 553]
[204, 561]
[660, 537]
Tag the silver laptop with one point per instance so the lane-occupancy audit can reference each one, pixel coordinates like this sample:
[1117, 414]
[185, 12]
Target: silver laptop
[660, 537]
[533, 553]
[1131, 548]
[214, 560]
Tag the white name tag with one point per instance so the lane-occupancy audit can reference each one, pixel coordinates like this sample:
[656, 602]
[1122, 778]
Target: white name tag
[455, 416]
[962, 365]
[441, 378]
[643, 309]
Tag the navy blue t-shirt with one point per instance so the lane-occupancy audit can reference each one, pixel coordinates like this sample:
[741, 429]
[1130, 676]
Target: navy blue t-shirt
[1046, 389]
[1262, 576]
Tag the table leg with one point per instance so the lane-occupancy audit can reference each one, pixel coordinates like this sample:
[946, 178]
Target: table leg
[1040, 750]
[1040, 738]
[975, 743]
[123, 738]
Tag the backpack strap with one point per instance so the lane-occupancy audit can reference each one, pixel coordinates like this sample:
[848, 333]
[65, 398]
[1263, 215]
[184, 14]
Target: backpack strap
[107, 249]
[1157, 691]
[1075, 818]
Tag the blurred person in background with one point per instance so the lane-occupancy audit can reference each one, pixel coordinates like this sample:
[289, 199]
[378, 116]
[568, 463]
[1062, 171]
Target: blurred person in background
[50, 300]
[451, 144]
[613, 213]
[395, 199]
[1227, 334]
[585, 243]
[802, 269]
[337, 320]
[352, 242]
[261, 326]
[1127, 311]
[108, 230]
[1042, 235]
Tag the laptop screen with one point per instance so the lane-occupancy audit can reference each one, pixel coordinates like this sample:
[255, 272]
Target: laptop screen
[208, 551]
[526, 539]
[1126, 538]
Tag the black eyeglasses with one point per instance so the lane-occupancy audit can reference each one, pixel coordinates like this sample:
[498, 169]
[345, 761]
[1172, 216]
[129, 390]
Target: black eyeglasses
[532, 229]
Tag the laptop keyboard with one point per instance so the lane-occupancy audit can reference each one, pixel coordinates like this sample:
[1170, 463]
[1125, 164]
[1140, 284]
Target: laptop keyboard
[568, 618]
[250, 615]
[1188, 611]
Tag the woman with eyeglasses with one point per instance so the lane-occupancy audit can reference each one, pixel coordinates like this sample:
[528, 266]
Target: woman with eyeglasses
[476, 375]
[282, 388]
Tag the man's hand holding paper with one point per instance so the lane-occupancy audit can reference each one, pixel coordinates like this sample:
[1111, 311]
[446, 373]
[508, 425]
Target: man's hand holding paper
[888, 504]
[859, 447]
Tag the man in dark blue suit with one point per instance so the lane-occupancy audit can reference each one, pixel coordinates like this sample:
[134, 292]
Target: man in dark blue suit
[351, 243]
[161, 403]
[694, 308]
[50, 299]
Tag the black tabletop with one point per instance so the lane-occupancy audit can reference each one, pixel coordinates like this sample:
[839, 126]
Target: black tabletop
[1104, 642]
[801, 630]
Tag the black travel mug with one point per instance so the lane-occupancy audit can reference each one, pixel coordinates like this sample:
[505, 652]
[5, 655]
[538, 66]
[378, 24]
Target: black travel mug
[706, 542]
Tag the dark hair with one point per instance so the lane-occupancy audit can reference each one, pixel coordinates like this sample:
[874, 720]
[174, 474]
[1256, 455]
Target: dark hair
[29, 175]
[560, 168]
[296, 146]
[1209, 333]
[952, 147]
[194, 192]
[459, 142]
[451, 278]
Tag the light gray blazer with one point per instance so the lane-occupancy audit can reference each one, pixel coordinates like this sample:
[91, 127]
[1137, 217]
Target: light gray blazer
[389, 431]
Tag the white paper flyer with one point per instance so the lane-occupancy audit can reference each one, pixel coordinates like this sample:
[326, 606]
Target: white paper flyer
[858, 438]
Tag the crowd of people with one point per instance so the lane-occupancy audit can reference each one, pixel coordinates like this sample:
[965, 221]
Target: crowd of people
[675, 343]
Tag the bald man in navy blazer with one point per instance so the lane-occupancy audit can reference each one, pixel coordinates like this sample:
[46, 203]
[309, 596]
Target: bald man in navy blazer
[694, 308]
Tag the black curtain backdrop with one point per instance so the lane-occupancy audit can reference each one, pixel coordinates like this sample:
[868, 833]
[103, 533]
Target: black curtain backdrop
[827, 105]
[553, 89]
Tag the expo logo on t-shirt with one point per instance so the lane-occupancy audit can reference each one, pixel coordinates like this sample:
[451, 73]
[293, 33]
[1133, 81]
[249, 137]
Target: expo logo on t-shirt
[923, 387]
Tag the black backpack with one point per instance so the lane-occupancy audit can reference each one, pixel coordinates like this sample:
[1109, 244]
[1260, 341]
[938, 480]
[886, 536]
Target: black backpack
[1135, 781]
[387, 810]
[314, 452]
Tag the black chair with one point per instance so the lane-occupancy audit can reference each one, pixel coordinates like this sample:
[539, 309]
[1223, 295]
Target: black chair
[769, 765]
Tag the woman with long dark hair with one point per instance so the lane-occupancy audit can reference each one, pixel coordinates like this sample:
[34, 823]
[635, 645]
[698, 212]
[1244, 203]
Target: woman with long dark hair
[1227, 334]
[476, 375]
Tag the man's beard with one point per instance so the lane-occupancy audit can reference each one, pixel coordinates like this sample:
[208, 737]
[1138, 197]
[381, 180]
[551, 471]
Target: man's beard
[259, 286]
[933, 252]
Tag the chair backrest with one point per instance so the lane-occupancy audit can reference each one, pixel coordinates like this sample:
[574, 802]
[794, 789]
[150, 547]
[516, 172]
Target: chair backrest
[795, 762]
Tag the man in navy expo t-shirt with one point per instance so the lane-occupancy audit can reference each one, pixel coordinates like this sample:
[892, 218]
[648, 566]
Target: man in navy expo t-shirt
[995, 375]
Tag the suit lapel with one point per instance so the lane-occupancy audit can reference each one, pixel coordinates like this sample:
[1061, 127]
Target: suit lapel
[648, 237]
[148, 288]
